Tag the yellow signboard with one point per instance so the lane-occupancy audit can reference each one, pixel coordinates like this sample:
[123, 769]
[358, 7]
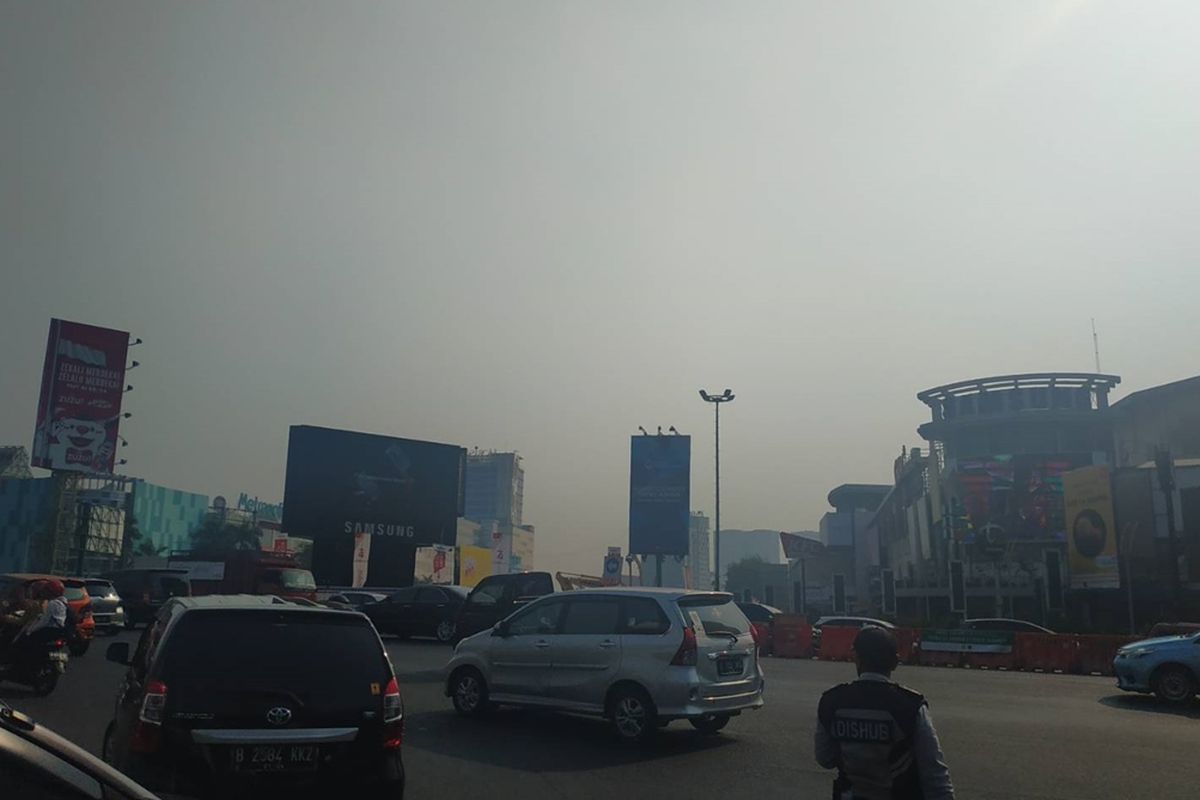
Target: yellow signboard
[1091, 534]
[475, 565]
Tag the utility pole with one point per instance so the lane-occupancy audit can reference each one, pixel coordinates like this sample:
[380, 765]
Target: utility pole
[717, 399]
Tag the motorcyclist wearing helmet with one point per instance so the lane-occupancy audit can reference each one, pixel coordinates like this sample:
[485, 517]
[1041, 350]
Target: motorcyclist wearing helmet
[52, 622]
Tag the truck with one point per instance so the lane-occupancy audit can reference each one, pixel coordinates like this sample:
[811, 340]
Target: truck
[247, 572]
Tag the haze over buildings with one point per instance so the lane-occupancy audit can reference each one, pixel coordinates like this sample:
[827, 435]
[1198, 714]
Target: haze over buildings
[541, 226]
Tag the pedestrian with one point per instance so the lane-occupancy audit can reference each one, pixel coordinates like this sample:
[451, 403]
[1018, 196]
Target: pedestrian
[878, 734]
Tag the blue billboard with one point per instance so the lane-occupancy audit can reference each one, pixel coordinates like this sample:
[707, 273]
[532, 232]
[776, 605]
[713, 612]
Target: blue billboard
[660, 470]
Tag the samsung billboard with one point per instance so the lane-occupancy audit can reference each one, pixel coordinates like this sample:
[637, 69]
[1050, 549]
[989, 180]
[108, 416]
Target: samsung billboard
[659, 494]
[342, 486]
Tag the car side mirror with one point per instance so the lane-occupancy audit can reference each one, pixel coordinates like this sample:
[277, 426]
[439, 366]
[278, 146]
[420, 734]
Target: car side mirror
[118, 653]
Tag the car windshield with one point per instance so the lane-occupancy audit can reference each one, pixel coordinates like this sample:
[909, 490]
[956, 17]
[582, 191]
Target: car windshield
[302, 580]
[73, 593]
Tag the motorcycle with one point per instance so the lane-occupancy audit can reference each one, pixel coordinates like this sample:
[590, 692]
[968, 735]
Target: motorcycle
[37, 665]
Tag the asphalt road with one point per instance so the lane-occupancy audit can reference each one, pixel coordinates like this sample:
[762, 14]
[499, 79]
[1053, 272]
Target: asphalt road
[1018, 736]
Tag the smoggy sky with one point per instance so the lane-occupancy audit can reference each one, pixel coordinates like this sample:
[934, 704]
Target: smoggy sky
[537, 225]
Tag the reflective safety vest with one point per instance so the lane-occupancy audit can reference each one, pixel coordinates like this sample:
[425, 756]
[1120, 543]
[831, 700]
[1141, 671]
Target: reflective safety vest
[873, 724]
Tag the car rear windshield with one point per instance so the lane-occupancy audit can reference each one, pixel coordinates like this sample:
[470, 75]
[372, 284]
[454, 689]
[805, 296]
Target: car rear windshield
[305, 653]
[100, 588]
[74, 593]
[717, 616]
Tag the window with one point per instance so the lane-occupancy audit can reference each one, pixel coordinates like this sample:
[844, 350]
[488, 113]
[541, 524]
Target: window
[299, 579]
[329, 660]
[41, 775]
[716, 617]
[541, 618]
[488, 594]
[597, 617]
[403, 596]
[644, 616]
[431, 597]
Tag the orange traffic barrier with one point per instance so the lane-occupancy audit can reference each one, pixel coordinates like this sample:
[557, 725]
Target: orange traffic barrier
[1045, 652]
[989, 660]
[1095, 654]
[792, 636]
[837, 643]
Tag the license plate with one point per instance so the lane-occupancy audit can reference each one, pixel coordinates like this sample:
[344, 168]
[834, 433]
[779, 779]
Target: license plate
[275, 758]
[58, 656]
[729, 666]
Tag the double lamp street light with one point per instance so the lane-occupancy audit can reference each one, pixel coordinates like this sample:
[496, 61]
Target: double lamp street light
[717, 399]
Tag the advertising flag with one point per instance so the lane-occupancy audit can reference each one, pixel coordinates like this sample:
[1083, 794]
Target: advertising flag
[79, 409]
[1091, 535]
[362, 557]
[659, 495]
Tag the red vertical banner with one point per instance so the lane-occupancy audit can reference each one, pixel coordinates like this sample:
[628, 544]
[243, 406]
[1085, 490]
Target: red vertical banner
[79, 410]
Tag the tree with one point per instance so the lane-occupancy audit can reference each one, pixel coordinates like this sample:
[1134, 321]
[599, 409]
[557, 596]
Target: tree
[744, 574]
[217, 538]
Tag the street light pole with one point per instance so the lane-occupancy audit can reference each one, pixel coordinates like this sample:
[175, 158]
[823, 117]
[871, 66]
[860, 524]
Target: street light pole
[717, 400]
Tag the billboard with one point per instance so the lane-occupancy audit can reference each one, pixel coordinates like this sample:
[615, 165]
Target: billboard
[659, 494]
[434, 565]
[476, 564]
[1008, 498]
[1092, 540]
[400, 493]
[79, 409]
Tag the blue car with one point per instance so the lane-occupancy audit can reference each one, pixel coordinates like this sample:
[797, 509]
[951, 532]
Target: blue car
[1168, 666]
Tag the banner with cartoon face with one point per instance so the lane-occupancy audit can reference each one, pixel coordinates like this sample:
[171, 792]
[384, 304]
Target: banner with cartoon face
[79, 410]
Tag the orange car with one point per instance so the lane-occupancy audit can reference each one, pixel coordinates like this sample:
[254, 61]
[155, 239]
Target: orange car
[15, 587]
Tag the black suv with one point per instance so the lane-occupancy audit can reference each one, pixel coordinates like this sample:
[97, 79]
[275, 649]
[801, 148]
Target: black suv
[233, 694]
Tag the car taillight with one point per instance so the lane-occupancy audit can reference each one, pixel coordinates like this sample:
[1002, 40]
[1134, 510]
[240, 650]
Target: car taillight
[147, 732]
[685, 656]
[393, 717]
[60, 643]
[754, 632]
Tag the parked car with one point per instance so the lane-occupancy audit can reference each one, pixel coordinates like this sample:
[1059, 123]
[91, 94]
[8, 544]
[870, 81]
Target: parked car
[253, 693]
[1173, 629]
[35, 762]
[637, 657]
[107, 609]
[497, 596]
[762, 617]
[143, 591]
[1168, 666]
[16, 587]
[1003, 625]
[353, 601]
[419, 611]
[845, 622]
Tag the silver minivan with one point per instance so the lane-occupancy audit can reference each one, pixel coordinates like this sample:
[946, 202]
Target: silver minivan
[638, 657]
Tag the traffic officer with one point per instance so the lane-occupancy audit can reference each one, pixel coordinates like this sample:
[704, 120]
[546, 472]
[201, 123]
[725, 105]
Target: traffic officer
[878, 734]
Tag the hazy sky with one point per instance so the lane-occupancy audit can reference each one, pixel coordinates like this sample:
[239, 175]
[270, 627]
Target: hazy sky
[537, 225]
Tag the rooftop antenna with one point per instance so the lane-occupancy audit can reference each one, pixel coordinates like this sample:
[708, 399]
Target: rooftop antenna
[1096, 344]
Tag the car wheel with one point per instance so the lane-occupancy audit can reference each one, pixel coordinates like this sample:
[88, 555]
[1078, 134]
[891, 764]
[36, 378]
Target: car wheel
[633, 716]
[445, 631]
[710, 723]
[45, 680]
[469, 692]
[1174, 685]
